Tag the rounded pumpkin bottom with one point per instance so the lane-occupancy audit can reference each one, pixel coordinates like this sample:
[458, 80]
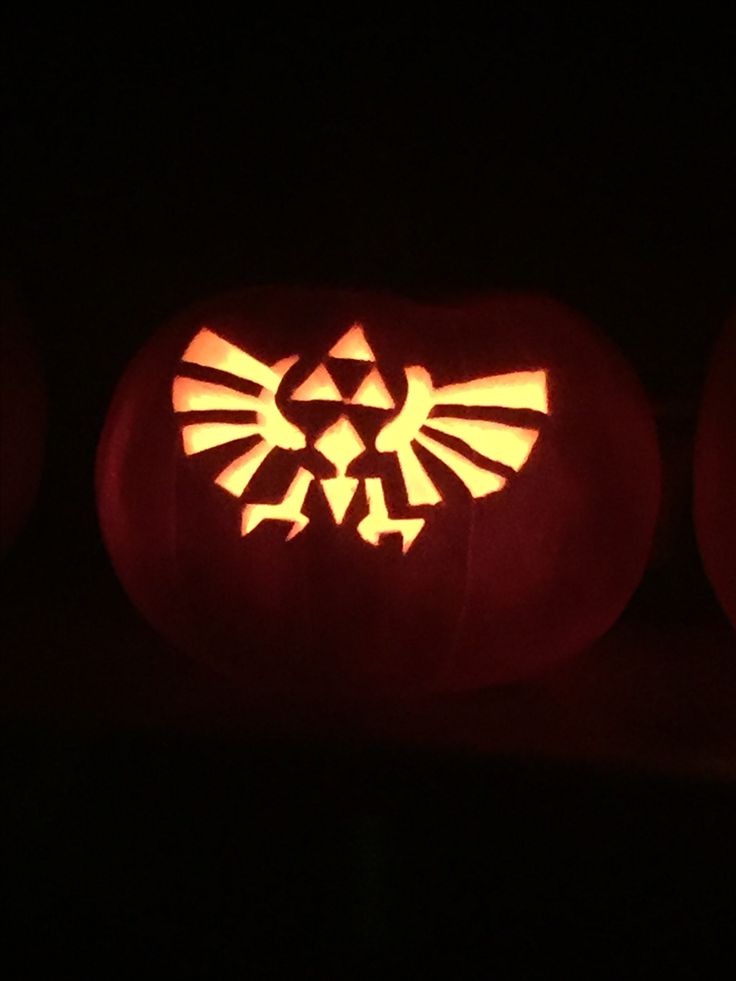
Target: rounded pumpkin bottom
[340, 616]
[335, 494]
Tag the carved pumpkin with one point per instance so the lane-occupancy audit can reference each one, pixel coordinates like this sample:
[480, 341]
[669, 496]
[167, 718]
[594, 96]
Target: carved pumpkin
[336, 492]
[715, 473]
[22, 419]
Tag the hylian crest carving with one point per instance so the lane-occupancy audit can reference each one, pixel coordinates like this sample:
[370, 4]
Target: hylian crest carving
[482, 453]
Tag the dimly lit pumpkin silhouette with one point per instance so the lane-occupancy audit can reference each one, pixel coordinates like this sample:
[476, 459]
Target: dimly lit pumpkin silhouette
[22, 418]
[334, 492]
[715, 472]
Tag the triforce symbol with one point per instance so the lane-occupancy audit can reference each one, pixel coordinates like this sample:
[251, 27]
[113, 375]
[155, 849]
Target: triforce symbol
[483, 453]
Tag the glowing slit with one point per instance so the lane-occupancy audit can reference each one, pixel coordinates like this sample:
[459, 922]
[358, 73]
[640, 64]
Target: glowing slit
[212, 351]
[378, 523]
[319, 387]
[236, 477]
[191, 395]
[205, 435]
[517, 390]
[373, 392]
[339, 492]
[478, 481]
[353, 346]
[509, 445]
[419, 486]
[289, 509]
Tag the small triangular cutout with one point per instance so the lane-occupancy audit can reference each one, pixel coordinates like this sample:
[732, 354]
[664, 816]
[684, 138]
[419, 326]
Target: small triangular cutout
[373, 392]
[318, 387]
[339, 492]
[353, 346]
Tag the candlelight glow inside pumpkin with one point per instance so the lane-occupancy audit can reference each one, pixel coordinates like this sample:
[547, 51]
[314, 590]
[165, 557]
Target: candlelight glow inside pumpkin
[330, 493]
[499, 444]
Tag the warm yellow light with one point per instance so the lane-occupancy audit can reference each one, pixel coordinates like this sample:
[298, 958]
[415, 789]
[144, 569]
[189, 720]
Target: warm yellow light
[289, 509]
[192, 395]
[510, 445]
[373, 392]
[495, 440]
[205, 435]
[478, 481]
[378, 523]
[518, 390]
[236, 477]
[275, 427]
[404, 427]
[502, 443]
[341, 444]
[319, 387]
[339, 492]
[419, 487]
[212, 351]
[353, 346]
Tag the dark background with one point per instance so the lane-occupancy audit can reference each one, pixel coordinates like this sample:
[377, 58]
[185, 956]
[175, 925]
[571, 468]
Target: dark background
[582, 821]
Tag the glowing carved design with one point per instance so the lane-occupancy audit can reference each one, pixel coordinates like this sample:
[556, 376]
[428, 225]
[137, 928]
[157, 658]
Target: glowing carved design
[478, 481]
[340, 444]
[519, 390]
[353, 346]
[211, 351]
[414, 412]
[397, 435]
[339, 492]
[319, 387]
[236, 477]
[419, 487]
[495, 440]
[289, 509]
[192, 395]
[205, 435]
[501, 443]
[373, 392]
[378, 523]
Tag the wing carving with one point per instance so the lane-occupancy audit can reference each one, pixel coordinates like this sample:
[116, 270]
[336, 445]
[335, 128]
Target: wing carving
[482, 452]
[497, 442]
[193, 395]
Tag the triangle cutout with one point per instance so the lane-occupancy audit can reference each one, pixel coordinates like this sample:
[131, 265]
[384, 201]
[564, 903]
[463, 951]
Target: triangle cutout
[318, 387]
[373, 392]
[339, 492]
[353, 346]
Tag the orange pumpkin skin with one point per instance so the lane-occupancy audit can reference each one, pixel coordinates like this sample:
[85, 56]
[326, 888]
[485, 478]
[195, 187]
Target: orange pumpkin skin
[22, 420]
[715, 472]
[493, 588]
